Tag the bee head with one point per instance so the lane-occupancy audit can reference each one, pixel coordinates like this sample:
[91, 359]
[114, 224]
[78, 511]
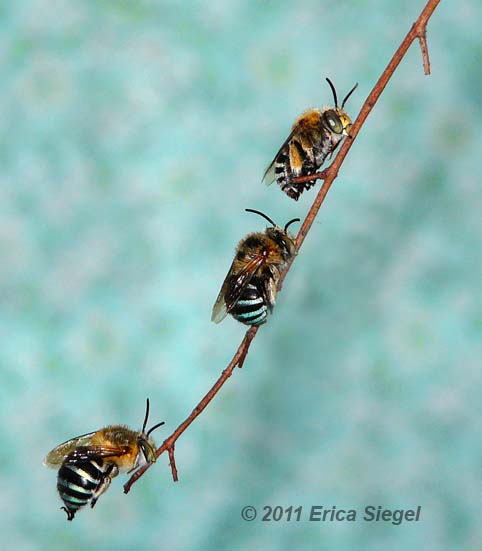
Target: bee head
[285, 242]
[336, 119]
[147, 446]
[279, 235]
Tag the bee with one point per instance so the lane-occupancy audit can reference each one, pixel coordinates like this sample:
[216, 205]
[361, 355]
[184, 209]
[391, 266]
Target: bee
[249, 290]
[315, 136]
[88, 463]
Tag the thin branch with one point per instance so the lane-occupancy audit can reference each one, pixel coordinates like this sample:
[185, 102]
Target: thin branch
[418, 31]
[422, 38]
[168, 444]
[172, 463]
[311, 177]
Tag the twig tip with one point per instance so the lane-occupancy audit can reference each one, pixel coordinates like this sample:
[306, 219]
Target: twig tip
[422, 38]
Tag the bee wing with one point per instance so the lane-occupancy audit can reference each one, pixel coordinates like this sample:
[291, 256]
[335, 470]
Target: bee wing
[84, 453]
[271, 289]
[269, 175]
[219, 309]
[233, 286]
[56, 457]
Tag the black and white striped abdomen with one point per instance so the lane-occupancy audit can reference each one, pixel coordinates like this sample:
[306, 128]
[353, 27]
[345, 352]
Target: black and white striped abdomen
[312, 158]
[284, 172]
[78, 481]
[251, 308]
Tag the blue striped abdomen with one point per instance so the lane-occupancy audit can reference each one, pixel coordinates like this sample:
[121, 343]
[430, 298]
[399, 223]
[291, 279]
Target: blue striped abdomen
[251, 308]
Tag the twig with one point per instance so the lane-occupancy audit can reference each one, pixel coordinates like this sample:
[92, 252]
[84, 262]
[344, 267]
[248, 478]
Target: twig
[310, 177]
[418, 30]
[172, 463]
[168, 444]
[422, 38]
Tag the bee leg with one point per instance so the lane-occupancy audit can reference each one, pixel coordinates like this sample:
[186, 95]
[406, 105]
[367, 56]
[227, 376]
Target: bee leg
[292, 192]
[104, 484]
[70, 513]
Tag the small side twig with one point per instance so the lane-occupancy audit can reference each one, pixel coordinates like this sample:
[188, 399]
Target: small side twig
[418, 31]
[168, 444]
[311, 177]
[172, 463]
[422, 38]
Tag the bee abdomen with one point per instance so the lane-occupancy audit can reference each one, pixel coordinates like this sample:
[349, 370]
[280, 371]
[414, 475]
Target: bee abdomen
[251, 308]
[281, 169]
[311, 162]
[77, 482]
[284, 174]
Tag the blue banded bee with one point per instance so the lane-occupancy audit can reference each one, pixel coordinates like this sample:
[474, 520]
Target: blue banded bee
[314, 136]
[88, 463]
[249, 290]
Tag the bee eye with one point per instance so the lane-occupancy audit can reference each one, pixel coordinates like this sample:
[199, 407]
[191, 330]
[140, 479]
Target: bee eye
[333, 122]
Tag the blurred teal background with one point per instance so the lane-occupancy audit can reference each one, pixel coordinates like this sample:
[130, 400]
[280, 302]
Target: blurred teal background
[134, 133]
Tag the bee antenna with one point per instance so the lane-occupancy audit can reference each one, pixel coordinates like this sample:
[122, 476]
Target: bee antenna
[146, 417]
[261, 214]
[155, 427]
[349, 94]
[334, 91]
[291, 222]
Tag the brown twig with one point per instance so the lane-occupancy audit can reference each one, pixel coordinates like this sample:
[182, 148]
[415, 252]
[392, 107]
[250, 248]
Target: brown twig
[172, 463]
[310, 177]
[422, 38]
[168, 444]
[418, 30]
